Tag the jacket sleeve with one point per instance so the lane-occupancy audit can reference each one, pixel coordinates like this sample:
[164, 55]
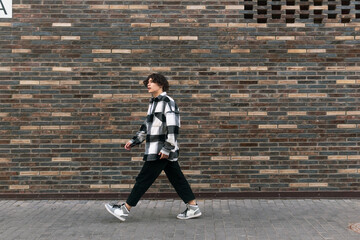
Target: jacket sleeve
[140, 135]
[172, 127]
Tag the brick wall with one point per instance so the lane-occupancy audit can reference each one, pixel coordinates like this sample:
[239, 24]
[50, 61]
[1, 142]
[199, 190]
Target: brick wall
[268, 91]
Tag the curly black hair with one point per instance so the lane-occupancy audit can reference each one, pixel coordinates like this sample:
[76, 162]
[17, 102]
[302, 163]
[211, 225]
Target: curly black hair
[158, 79]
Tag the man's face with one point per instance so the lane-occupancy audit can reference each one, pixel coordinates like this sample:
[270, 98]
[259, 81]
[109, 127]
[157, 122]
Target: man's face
[154, 88]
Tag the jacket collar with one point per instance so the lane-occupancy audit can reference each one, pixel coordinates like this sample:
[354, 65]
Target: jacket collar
[158, 98]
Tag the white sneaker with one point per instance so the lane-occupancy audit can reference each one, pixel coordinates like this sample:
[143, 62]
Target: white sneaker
[191, 211]
[119, 211]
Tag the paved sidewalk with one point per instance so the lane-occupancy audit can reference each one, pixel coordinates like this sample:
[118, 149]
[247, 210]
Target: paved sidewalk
[251, 219]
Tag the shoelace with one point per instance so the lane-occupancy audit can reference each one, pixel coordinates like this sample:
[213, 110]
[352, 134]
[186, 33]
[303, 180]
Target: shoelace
[116, 206]
[186, 210]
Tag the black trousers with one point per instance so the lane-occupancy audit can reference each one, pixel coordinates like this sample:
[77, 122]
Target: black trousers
[148, 174]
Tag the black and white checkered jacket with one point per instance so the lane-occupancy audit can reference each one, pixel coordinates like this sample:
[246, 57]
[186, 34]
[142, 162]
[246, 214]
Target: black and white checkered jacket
[160, 129]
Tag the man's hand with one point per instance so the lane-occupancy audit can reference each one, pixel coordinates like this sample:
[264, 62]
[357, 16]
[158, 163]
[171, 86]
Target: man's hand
[163, 156]
[128, 146]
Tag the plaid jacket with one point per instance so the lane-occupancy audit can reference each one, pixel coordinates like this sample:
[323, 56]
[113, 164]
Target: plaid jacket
[160, 129]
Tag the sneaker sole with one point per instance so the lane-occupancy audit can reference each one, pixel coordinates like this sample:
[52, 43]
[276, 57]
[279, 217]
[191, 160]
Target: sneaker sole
[118, 217]
[195, 216]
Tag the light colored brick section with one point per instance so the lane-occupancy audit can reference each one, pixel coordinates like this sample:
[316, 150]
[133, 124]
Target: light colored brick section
[353, 113]
[240, 158]
[285, 38]
[237, 7]
[335, 113]
[347, 171]
[50, 127]
[195, 7]
[21, 50]
[200, 185]
[345, 81]
[317, 95]
[138, 7]
[240, 185]
[237, 25]
[270, 126]
[19, 187]
[28, 82]
[240, 50]
[288, 171]
[318, 184]
[51, 82]
[49, 173]
[102, 60]
[237, 114]
[125, 51]
[100, 186]
[22, 96]
[61, 114]
[138, 114]
[121, 186]
[239, 95]
[116, 140]
[192, 172]
[257, 113]
[100, 140]
[62, 69]
[69, 173]
[300, 25]
[70, 38]
[61, 159]
[220, 158]
[5, 69]
[20, 141]
[101, 51]
[149, 38]
[2, 114]
[346, 126]
[299, 184]
[297, 113]
[5, 160]
[287, 126]
[316, 50]
[161, 69]
[265, 38]
[219, 114]
[5, 24]
[269, 171]
[337, 157]
[296, 50]
[102, 95]
[117, 7]
[220, 25]
[136, 159]
[61, 24]
[205, 95]
[287, 82]
[299, 157]
[99, 7]
[30, 127]
[169, 38]
[260, 158]
[30, 37]
[344, 38]
[353, 68]
[200, 50]
[141, 69]
[298, 95]
[29, 173]
[354, 157]
[160, 24]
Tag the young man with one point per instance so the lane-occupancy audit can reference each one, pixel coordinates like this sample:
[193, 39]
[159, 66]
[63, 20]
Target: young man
[160, 130]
